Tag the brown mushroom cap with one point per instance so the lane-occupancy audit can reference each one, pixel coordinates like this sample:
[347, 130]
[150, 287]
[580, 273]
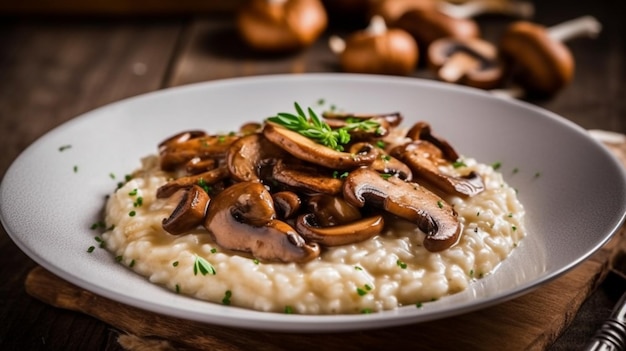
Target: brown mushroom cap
[344, 234]
[432, 215]
[541, 64]
[393, 52]
[472, 61]
[247, 157]
[277, 26]
[242, 218]
[308, 150]
[207, 178]
[306, 178]
[287, 203]
[424, 159]
[189, 213]
[177, 152]
[427, 26]
[331, 210]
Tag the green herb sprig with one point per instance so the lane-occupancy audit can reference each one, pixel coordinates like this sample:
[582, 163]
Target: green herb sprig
[315, 129]
[203, 266]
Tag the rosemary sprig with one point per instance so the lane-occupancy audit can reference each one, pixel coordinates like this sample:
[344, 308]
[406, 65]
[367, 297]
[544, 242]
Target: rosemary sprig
[314, 128]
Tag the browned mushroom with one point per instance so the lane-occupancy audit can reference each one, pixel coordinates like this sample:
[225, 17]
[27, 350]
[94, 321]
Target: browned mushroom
[242, 218]
[331, 210]
[424, 159]
[473, 62]
[542, 64]
[377, 50]
[287, 203]
[308, 150]
[176, 154]
[189, 213]
[392, 119]
[386, 163]
[343, 234]
[281, 25]
[207, 178]
[197, 165]
[306, 178]
[432, 215]
[248, 157]
[422, 131]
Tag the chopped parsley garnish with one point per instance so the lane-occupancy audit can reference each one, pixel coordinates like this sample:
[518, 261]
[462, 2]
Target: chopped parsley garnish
[132, 213]
[338, 175]
[458, 164]
[64, 147]
[91, 248]
[133, 192]
[177, 289]
[175, 263]
[132, 263]
[366, 311]
[401, 264]
[75, 169]
[439, 204]
[227, 296]
[496, 165]
[288, 309]
[385, 176]
[213, 250]
[203, 266]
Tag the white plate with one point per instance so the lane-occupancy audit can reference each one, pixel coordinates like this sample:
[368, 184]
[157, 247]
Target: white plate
[574, 205]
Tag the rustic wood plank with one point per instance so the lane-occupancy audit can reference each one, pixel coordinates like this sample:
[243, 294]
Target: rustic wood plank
[214, 50]
[52, 71]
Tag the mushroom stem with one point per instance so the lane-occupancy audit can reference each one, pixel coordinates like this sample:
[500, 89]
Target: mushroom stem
[377, 26]
[521, 9]
[456, 66]
[585, 26]
[336, 44]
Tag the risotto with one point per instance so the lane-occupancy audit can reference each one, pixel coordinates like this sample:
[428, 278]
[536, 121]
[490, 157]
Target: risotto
[389, 269]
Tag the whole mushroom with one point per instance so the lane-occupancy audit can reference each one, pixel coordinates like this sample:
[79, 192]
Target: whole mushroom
[542, 64]
[281, 25]
[377, 50]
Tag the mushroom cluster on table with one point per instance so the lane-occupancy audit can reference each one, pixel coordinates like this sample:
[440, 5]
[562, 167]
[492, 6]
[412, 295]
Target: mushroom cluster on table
[272, 193]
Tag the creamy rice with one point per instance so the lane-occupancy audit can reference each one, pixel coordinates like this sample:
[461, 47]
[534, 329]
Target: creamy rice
[390, 270]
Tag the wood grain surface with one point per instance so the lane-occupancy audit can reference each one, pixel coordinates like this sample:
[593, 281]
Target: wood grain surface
[52, 69]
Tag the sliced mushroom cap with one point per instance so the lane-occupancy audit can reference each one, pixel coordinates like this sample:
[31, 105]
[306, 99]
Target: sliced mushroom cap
[343, 234]
[331, 210]
[422, 131]
[247, 157]
[241, 218]
[393, 119]
[203, 179]
[287, 203]
[306, 178]
[180, 138]
[189, 213]
[424, 158]
[472, 61]
[179, 153]
[197, 165]
[432, 215]
[388, 164]
[310, 151]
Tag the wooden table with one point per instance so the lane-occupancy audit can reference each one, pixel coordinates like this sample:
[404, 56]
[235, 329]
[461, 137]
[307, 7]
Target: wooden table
[55, 68]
